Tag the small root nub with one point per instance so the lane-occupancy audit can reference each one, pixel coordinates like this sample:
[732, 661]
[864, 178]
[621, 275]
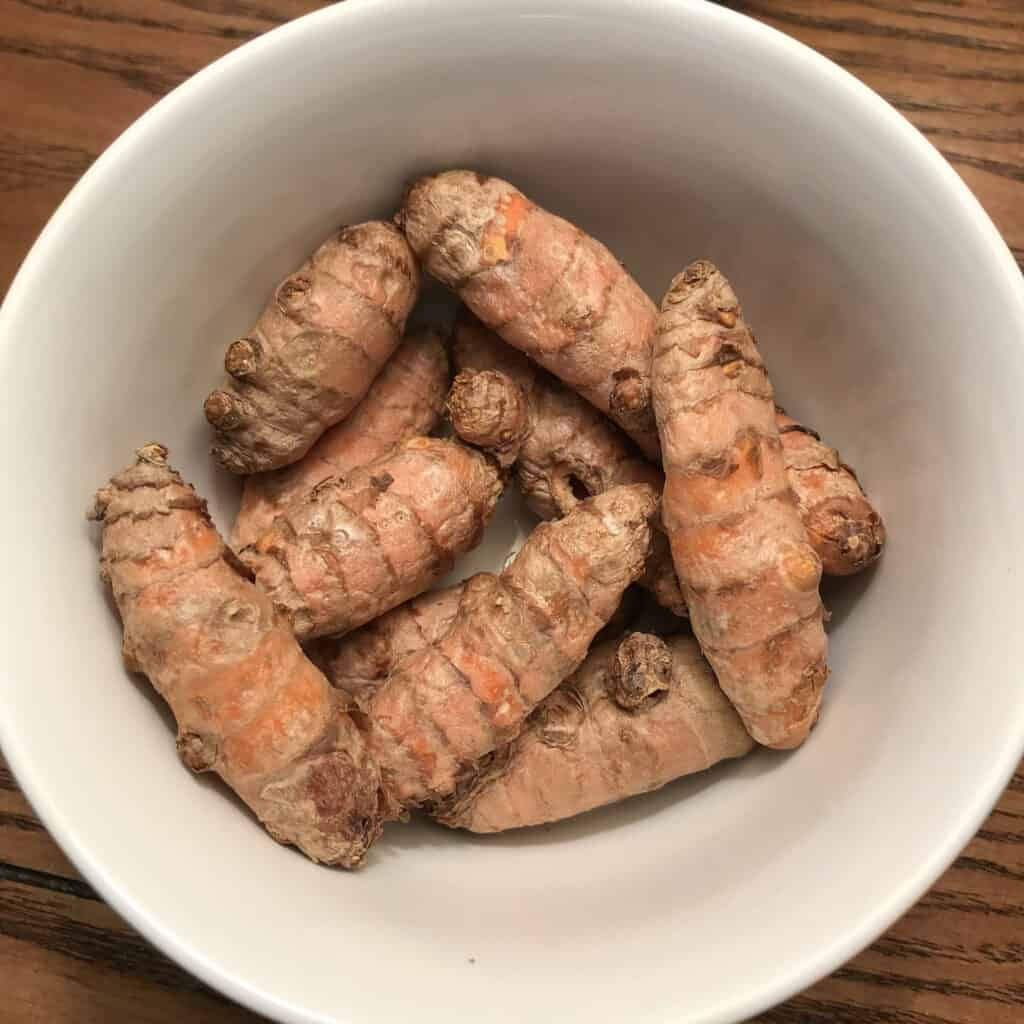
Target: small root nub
[630, 392]
[640, 669]
[199, 753]
[698, 272]
[488, 409]
[152, 452]
[292, 294]
[242, 357]
[222, 410]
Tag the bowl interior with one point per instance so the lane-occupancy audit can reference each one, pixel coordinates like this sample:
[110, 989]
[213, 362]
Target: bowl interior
[890, 317]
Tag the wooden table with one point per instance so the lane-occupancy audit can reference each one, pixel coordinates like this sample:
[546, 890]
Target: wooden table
[75, 74]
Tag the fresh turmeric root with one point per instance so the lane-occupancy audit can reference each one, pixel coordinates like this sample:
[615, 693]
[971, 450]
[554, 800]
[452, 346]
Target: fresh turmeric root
[515, 637]
[544, 285]
[405, 400]
[562, 448]
[357, 547]
[638, 713]
[749, 575]
[842, 525]
[315, 350]
[249, 705]
[360, 663]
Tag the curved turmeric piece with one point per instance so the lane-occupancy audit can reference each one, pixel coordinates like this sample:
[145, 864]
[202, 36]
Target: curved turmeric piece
[741, 552]
[545, 286]
[315, 349]
[404, 401]
[515, 637]
[248, 704]
[637, 714]
[842, 524]
[357, 547]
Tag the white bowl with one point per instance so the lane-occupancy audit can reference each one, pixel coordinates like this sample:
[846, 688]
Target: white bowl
[891, 315]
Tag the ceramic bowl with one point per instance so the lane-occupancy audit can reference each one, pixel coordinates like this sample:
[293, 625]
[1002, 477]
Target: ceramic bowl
[891, 316]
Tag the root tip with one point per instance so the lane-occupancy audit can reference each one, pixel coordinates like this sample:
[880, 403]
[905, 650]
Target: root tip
[242, 357]
[153, 452]
[222, 410]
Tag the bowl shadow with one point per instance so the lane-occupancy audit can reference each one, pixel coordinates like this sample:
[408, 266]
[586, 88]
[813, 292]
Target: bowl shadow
[841, 594]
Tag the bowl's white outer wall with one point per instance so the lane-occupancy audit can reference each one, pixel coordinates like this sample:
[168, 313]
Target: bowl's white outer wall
[892, 316]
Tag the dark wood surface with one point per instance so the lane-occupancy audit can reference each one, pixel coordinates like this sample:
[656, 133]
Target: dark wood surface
[75, 73]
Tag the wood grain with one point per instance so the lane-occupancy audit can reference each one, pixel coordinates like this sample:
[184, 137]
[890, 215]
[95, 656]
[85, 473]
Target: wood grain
[955, 68]
[75, 73]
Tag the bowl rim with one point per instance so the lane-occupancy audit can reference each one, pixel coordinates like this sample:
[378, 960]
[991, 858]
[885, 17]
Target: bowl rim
[848, 939]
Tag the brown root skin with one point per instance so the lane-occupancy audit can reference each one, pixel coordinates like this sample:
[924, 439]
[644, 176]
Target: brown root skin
[749, 575]
[404, 401]
[489, 410]
[637, 714]
[640, 669]
[248, 704]
[358, 547]
[548, 288]
[513, 640]
[631, 607]
[315, 350]
[843, 526]
[360, 663]
[660, 577]
[562, 448]
[565, 450]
